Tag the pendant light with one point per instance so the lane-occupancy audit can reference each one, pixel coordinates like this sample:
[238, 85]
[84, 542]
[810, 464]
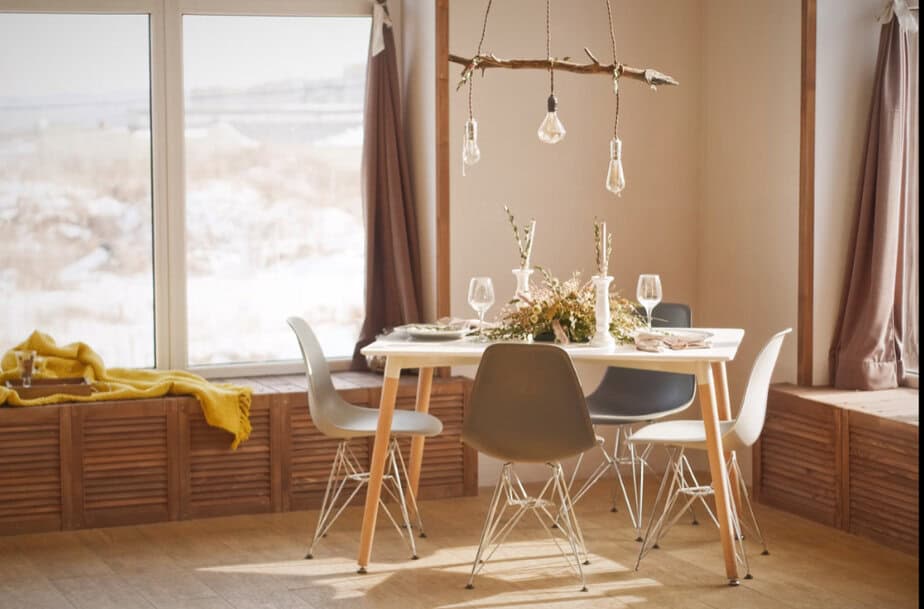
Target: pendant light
[615, 176]
[471, 153]
[551, 130]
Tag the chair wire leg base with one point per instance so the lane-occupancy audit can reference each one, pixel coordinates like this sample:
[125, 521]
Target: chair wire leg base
[551, 506]
[345, 469]
[751, 521]
[624, 454]
[683, 483]
[411, 495]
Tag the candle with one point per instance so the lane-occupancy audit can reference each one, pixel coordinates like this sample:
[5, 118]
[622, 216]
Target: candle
[603, 248]
[529, 242]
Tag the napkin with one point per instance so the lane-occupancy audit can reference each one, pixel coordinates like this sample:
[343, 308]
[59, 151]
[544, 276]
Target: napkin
[648, 341]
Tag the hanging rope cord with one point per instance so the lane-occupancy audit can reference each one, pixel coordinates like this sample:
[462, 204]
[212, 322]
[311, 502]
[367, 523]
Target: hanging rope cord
[548, 45]
[616, 67]
[484, 28]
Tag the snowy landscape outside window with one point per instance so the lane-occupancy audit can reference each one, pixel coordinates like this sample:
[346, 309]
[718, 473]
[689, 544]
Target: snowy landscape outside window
[75, 183]
[177, 221]
[274, 130]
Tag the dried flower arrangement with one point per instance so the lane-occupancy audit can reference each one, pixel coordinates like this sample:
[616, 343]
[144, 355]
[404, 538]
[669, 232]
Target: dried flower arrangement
[563, 311]
[524, 243]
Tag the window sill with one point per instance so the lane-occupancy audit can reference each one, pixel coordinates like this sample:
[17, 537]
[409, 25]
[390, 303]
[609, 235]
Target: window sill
[337, 364]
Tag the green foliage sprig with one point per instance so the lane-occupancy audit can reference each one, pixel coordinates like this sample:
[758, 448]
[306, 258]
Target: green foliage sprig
[524, 243]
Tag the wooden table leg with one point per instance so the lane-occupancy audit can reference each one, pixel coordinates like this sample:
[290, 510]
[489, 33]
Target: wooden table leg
[710, 409]
[424, 386]
[379, 458]
[720, 373]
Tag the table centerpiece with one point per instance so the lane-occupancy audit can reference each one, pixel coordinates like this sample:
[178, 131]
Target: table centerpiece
[563, 312]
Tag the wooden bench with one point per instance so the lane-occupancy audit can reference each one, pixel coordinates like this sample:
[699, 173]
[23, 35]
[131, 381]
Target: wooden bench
[846, 459]
[74, 465]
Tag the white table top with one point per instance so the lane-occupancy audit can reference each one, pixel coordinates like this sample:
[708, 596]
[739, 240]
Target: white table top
[410, 353]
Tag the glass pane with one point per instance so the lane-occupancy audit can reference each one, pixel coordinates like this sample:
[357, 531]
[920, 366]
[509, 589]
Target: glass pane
[75, 183]
[273, 206]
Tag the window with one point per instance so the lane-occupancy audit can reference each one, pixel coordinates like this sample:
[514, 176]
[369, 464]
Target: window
[183, 179]
[273, 207]
[75, 182]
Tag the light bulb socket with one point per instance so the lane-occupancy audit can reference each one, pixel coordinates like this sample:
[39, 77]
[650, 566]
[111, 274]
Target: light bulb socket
[616, 149]
[471, 129]
[552, 103]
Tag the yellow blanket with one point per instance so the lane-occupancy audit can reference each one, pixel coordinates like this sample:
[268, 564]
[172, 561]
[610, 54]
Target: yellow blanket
[225, 406]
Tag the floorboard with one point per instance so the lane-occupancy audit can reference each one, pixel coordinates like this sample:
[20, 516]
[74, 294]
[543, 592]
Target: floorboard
[250, 562]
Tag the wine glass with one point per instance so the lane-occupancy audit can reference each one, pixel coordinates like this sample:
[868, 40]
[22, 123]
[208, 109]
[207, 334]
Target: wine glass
[481, 297]
[648, 293]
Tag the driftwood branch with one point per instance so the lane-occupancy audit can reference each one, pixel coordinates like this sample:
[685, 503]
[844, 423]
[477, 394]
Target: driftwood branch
[617, 70]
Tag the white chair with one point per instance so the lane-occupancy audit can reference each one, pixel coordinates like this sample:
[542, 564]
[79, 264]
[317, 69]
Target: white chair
[679, 436]
[336, 418]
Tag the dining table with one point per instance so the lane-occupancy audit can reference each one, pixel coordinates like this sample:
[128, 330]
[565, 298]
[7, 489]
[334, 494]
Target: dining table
[708, 364]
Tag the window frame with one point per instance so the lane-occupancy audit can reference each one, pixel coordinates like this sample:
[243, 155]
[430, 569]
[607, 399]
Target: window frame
[168, 156]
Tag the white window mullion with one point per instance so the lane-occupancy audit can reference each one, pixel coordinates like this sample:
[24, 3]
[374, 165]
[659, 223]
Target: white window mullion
[174, 226]
[162, 309]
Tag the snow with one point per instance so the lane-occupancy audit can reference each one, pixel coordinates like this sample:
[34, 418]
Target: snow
[274, 229]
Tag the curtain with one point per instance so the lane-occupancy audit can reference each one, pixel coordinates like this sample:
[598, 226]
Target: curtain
[876, 327]
[393, 286]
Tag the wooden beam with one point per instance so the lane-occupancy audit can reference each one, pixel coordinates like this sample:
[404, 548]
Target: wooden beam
[805, 355]
[483, 62]
[443, 292]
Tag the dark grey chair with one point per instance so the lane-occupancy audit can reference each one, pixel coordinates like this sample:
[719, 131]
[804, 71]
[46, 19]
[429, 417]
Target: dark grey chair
[626, 397]
[336, 418]
[527, 406]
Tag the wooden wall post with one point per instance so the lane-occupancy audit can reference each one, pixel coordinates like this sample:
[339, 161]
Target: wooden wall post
[804, 347]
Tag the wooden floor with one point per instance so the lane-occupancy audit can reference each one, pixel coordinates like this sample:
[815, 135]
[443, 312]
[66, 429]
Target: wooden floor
[254, 562]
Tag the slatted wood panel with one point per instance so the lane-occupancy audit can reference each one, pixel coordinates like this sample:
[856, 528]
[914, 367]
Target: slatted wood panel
[70, 466]
[883, 480]
[222, 481]
[868, 485]
[799, 456]
[123, 463]
[30, 473]
[311, 456]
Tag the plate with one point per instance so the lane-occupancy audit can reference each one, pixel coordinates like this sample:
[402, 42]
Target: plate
[690, 336]
[435, 332]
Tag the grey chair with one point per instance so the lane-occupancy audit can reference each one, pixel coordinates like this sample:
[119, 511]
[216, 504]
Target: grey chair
[527, 406]
[626, 397]
[682, 487]
[336, 418]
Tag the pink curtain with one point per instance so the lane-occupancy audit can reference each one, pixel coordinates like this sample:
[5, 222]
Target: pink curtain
[876, 333]
[393, 290]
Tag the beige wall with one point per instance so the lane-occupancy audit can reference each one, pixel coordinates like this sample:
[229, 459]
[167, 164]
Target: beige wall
[748, 247]
[847, 44]
[654, 222]
[712, 165]
[562, 185]
[418, 34]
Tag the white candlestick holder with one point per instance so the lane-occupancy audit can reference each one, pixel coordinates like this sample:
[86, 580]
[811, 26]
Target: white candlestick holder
[522, 275]
[602, 336]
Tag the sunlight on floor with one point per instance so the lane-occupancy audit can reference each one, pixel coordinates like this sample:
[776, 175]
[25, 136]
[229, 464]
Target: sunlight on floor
[523, 573]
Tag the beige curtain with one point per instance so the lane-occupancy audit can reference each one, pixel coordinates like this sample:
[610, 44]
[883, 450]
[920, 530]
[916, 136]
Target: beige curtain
[877, 331]
[393, 290]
